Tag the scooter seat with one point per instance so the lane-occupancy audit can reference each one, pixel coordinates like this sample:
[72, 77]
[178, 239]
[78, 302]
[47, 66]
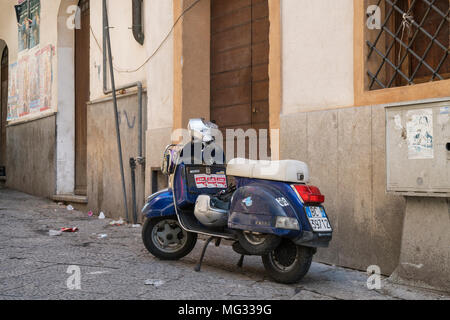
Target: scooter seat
[283, 170]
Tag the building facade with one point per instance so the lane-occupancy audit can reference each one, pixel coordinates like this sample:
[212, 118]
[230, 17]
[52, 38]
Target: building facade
[318, 73]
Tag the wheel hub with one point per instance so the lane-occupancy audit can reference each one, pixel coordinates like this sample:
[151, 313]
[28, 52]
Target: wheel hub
[285, 256]
[168, 236]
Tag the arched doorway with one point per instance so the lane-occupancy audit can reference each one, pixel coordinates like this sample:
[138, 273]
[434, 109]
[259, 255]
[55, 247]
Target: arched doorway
[3, 110]
[82, 96]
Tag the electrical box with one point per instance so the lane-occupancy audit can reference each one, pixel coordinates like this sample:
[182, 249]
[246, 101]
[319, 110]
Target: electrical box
[418, 149]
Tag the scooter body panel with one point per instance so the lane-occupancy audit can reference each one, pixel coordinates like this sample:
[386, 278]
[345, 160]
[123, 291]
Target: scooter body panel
[257, 204]
[185, 184]
[159, 204]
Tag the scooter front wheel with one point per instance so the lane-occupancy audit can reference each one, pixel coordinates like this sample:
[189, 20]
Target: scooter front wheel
[166, 239]
[288, 263]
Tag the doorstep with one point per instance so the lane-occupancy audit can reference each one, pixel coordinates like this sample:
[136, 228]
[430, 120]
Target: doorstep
[70, 198]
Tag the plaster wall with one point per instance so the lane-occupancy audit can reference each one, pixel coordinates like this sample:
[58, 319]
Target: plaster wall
[104, 184]
[129, 56]
[317, 54]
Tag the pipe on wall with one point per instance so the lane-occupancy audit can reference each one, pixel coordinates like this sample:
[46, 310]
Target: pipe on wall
[138, 28]
[140, 160]
[137, 84]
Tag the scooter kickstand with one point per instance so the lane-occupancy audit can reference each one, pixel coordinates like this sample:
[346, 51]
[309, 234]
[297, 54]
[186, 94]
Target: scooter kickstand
[241, 261]
[199, 264]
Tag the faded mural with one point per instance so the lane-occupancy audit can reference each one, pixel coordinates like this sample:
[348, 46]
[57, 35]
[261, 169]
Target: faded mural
[30, 83]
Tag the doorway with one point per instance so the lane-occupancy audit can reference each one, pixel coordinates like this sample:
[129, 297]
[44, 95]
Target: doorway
[239, 64]
[82, 96]
[3, 110]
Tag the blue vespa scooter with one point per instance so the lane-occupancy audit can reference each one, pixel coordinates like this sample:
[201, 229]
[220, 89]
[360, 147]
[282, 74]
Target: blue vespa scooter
[269, 211]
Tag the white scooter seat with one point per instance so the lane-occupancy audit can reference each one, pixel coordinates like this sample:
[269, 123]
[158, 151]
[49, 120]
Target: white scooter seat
[284, 170]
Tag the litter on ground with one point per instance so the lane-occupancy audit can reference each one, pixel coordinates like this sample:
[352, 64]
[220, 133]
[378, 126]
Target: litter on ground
[54, 233]
[155, 283]
[101, 216]
[69, 229]
[117, 223]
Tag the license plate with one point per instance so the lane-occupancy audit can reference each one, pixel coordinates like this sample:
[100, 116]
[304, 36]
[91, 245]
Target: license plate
[318, 219]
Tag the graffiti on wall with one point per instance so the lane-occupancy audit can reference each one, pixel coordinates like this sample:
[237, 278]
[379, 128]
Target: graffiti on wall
[30, 83]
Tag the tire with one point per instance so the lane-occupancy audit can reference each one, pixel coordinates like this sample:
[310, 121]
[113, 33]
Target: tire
[165, 239]
[288, 263]
[258, 244]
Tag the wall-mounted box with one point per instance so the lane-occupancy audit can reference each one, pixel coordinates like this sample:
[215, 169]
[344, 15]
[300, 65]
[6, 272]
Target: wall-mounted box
[418, 148]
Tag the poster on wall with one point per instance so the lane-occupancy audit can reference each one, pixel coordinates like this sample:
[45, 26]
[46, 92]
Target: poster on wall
[420, 134]
[30, 83]
[35, 21]
[23, 24]
[29, 19]
[13, 95]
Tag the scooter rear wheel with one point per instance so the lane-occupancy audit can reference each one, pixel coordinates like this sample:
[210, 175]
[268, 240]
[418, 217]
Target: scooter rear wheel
[288, 263]
[165, 239]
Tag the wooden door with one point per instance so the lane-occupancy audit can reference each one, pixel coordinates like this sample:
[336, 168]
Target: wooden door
[239, 64]
[82, 96]
[3, 109]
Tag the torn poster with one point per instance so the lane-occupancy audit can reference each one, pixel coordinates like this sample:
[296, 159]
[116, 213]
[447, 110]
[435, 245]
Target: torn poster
[420, 134]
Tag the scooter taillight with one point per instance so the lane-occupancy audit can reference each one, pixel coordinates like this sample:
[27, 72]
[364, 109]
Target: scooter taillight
[309, 194]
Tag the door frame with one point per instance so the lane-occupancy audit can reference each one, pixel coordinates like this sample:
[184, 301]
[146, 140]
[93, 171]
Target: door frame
[65, 124]
[81, 169]
[3, 109]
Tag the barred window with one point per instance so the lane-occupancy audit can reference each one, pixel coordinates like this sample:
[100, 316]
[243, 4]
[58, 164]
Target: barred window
[410, 45]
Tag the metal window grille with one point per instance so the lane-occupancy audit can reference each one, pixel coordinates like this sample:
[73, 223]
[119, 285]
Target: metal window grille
[412, 45]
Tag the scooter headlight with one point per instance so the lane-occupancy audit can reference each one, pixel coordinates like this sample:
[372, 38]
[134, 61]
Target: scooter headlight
[287, 223]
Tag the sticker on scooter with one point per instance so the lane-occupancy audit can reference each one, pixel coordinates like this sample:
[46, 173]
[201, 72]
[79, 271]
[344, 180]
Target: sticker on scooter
[215, 181]
[201, 182]
[282, 202]
[248, 202]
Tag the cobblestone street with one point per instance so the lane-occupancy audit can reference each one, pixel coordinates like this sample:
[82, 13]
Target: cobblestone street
[34, 265]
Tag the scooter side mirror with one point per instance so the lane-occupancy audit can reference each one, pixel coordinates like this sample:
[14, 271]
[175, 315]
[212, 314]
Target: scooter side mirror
[170, 158]
[201, 130]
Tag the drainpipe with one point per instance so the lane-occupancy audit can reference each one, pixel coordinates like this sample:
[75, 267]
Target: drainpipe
[137, 84]
[137, 27]
[113, 91]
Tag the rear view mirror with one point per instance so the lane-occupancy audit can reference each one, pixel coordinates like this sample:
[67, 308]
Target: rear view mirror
[170, 159]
